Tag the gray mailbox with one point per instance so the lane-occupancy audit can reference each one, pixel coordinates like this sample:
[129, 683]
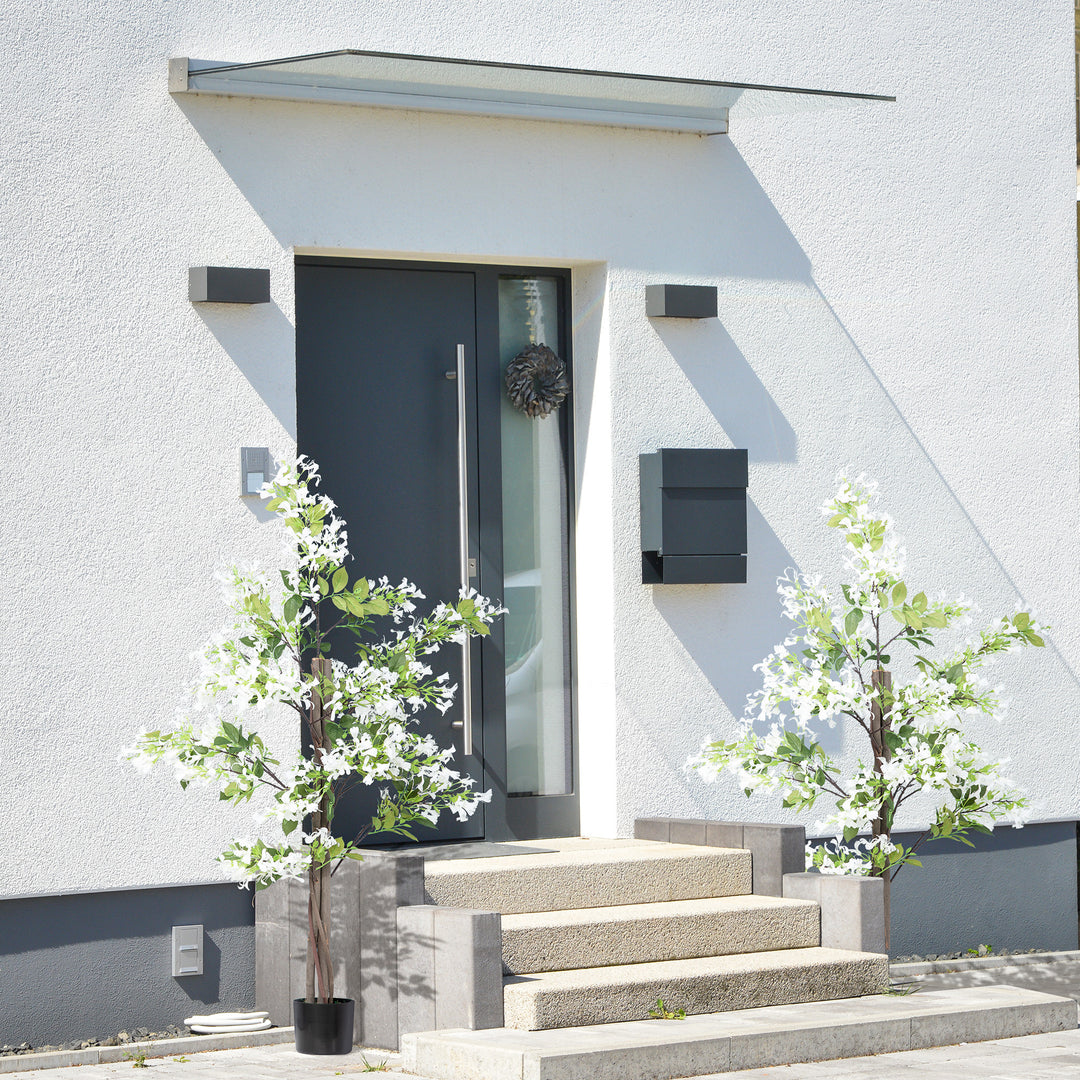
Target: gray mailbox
[693, 516]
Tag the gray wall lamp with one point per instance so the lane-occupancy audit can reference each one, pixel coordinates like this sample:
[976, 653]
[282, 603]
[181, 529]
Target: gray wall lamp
[693, 516]
[680, 301]
[228, 285]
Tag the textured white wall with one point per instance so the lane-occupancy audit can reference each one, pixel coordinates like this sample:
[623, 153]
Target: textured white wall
[897, 294]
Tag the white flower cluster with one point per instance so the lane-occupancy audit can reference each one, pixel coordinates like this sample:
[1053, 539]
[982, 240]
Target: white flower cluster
[360, 716]
[858, 857]
[832, 670]
[874, 555]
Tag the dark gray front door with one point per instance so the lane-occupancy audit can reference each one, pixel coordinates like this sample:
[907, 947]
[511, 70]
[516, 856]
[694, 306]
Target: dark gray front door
[376, 410]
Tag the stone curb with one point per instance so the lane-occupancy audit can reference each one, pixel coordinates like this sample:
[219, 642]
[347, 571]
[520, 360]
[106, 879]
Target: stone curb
[977, 963]
[103, 1055]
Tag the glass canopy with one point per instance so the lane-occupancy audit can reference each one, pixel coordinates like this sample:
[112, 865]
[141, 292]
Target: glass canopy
[524, 91]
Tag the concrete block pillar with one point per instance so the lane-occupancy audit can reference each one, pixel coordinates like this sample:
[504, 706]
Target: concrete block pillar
[280, 949]
[449, 968]
[281, 938]
[852, 908]
[387, 881]
[365, 897]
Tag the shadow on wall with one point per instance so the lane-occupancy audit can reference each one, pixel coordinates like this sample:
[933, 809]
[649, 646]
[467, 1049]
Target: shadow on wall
[339, 178]
[727, 384]
[693, 610]
[325, 177]
[258, 338]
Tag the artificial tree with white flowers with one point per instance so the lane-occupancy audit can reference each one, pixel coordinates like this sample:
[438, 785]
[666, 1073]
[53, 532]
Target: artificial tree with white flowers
[359, 716]
[838, 666]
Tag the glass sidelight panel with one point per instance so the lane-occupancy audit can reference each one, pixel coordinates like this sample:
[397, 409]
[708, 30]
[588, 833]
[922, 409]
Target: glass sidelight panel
[535, 557]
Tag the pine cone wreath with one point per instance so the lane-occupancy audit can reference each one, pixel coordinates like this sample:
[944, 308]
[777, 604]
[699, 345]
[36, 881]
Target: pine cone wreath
[536, 381]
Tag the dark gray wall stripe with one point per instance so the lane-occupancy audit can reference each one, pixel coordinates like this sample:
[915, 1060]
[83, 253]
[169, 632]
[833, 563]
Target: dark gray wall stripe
[89, 965]
[1015, 890]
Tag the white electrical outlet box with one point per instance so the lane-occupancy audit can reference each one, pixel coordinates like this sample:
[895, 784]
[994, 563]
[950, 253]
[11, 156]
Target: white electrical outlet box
[187, 950]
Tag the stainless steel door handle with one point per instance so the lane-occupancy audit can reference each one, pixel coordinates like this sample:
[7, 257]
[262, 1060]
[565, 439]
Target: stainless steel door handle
[466, 722]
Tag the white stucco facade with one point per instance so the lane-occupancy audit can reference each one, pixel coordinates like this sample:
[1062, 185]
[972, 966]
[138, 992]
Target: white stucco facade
[897, 295]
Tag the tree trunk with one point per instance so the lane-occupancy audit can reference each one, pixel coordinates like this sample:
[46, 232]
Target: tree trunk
[320, 965]
[881, 680]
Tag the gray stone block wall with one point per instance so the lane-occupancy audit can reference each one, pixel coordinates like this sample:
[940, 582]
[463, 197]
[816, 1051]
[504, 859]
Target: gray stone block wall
[776, 849]
[386, 882]
[281, 936]
[1015, 889]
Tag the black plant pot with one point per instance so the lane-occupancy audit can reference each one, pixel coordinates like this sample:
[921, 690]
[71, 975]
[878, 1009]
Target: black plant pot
[323, 1028]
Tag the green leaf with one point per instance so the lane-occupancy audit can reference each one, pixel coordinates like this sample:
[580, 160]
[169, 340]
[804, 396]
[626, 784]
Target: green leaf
[851, 622]
[1036, 640]
[339, 602]
[899, 593]
[919, 602]
[835, 520]
[292, 607]
[378, 606]
[288, 827]
[361, 588]
[340, 579]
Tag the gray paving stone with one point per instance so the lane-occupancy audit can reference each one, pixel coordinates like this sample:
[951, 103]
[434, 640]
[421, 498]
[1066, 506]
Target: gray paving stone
[755, 1037]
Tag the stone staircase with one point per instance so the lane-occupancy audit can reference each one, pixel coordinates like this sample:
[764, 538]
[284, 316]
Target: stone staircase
[595, 931]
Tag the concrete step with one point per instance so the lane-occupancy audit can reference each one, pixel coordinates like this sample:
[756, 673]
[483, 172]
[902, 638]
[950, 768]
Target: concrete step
[588, 876]
[606, 995]
[746, 1039]
[642, 933]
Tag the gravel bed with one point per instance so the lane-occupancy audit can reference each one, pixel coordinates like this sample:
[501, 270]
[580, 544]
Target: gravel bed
[969, 954]
[139, 1034]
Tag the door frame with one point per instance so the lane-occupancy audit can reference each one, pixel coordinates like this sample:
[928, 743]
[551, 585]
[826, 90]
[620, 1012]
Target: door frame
[506, 817]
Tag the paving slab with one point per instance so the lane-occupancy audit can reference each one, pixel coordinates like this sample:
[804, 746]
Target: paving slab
[249, 1063]
[1059, 977]
[1053, 1056]
[1049, 1056]
[723, 1043]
